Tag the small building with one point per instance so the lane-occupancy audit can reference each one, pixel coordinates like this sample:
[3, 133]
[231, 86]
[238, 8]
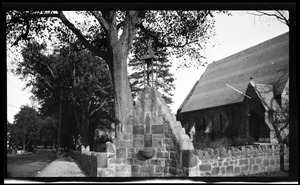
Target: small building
[235, 95]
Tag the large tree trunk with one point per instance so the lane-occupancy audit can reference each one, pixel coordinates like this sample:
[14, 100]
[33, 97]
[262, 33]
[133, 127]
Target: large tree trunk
[24, 143]
[122, 92]
[84, 129]
[59, 128]
[119, 48]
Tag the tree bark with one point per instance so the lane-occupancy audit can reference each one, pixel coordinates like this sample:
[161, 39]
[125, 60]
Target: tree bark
[116, 57]
[84, 129]
[58, 129]
[123, 99]
[24, 143]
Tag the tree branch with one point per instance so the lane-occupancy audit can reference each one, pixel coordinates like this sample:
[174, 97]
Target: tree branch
[161, 43]
[101, 20]
[80, 36]
[24, 35]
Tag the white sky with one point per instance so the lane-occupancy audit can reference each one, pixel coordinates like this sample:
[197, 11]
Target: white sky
[233, 34]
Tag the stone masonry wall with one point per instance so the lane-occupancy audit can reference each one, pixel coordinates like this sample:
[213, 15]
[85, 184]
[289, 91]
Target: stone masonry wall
[234, 161]
[156, 128]
[151, 127]
[89, 161]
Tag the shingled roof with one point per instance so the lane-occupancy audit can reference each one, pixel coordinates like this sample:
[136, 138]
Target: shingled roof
[266, 63]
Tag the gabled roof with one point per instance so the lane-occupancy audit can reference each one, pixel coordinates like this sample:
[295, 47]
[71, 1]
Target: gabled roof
[266, 63]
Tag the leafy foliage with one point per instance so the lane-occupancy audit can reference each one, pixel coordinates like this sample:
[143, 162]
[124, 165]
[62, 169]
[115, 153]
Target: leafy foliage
[48, 127]
[79, 77]
[108, 35]
[26, 127]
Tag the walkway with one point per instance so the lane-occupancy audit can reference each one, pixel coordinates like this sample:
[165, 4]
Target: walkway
[64, 166]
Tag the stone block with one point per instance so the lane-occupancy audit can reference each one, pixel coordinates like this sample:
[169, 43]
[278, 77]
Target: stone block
[113, 161]
[207, 174]
[170, 148]
[170, 163]
[205, 167]
[106, 172]
[245, 168]
[243, 161]
[277, 160]
[164, 155]
[266, 162]
[138, 142]
[128, 161]
[252, 161]
[215, 171]
[110, 147]
[168, 141]
[186, 145]
[148, 123]
[123, 168]
[159, 169]
[173, 155]
[147, 169]
[255, 168]
[102, 160]
[157, 162]
[223, 170]
[125, 136]
[229, 170]
[272, 162]
[158, 136]
[157, 143]
[128, 129]
[135, 169]
[157, 129]
[121, 153]
[124, 143]
[139, 162]
[138, 130]
[258, 160]
[237, 170]
[147, 140]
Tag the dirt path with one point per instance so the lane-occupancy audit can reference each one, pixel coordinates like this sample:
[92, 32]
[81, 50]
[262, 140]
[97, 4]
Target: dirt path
[27, 165]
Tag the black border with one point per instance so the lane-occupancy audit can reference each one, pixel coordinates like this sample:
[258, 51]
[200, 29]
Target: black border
[211, 5]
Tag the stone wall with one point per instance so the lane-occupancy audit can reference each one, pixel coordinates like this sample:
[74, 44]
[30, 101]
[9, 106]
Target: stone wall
[89, 161]
[234, 161]
[150, 129]
[155, 128]
[153, 144]
[149, 144]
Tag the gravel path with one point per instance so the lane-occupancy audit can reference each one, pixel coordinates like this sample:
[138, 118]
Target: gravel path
[64, 166]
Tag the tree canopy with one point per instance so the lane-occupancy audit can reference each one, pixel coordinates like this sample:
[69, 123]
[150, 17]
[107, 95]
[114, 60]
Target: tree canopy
[109, 34]
[80, 78]
[26, 126]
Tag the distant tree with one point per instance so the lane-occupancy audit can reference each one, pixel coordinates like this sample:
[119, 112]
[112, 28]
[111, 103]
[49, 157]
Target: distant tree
[26, 126]
[48, 127]
[141, 70]
[75, 77]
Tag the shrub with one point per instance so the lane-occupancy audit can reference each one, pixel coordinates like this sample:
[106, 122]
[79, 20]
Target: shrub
[202, 142]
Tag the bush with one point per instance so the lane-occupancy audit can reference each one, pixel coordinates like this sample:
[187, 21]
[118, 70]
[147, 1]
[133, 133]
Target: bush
[202, 142]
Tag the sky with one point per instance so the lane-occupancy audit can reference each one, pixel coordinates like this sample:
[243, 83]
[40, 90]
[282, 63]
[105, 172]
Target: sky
[233, 34]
